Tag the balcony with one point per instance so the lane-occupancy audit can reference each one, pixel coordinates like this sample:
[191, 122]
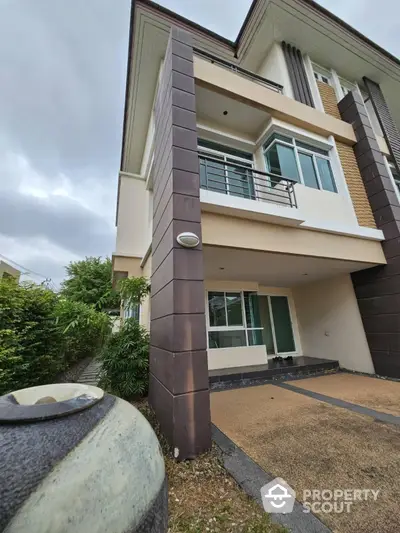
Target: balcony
[241, 71]
[241, 181]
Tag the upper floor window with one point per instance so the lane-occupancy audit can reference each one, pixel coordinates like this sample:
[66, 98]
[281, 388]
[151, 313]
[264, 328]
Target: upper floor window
[299, 161]
[226, 170]
[395, 174]
[322, 75]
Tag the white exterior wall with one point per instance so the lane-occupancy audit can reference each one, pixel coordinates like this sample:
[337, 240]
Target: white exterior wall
[239, 356]
[132, 237]
[321, 209]
[274, 68]
[330, 323]
[373, 118]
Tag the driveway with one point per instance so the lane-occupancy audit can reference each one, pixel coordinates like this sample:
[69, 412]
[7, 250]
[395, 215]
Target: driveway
[333, 432]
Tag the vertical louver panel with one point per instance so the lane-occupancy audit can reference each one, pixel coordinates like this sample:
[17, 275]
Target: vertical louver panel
[386, 121]
[297, 73]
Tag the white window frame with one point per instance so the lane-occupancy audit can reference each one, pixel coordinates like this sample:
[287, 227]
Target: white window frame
[128, 312]
[300, 149]
[244, 326]
[319, 73]
[389, 166]
[219, 153]
[346, 87]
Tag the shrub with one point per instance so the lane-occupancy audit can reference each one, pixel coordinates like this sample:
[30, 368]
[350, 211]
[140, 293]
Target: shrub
[133, 290]
[89, 281]
[42, 334]
[125, 358]
[83, 330]
[29, 338]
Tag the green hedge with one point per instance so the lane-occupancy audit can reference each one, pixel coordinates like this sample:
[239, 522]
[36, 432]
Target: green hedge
[42, 334]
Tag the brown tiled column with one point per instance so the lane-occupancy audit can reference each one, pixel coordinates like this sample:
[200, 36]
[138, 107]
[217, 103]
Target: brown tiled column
[179, 391]
[377, 289]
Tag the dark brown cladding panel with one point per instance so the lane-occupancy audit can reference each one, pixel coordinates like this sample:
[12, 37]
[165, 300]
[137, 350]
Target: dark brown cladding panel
[388, 125]
[184, 418]
[377, 289]
[178, 358]
[180, 372]
[297, 74]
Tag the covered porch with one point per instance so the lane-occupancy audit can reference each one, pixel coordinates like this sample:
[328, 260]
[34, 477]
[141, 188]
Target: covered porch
[274, 313]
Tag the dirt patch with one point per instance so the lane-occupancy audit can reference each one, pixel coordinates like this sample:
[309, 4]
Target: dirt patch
[379, 394]
[313, 445]
[204, 498]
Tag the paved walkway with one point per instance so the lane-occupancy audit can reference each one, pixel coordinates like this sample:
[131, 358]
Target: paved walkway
[325, 433]
[91, 374]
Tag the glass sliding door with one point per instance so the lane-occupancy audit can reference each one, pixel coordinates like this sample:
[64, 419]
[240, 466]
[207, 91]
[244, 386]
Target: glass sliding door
[283, 330]
[240, 180]
[267, 333]
[213, 174]
[233, 176]
[243, 318]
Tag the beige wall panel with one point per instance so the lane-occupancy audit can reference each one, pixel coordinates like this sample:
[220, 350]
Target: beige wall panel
[330, 323]
[127, 264]
[233, 357]
[222, 230]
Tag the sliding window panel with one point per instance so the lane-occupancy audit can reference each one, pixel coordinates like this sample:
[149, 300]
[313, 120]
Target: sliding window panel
[216, 309]
[308, 170]
[234, 308]
[326, 175]
[281, 160]
[267, 334]
[240, 181]
[226, 338]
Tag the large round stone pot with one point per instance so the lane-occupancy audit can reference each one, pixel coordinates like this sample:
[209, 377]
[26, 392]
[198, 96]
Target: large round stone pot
[76, 460]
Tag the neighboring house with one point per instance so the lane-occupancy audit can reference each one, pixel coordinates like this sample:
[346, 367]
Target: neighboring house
[8, 271]
[280, 151]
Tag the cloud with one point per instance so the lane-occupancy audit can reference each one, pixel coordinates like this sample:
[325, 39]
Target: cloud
[62, 86]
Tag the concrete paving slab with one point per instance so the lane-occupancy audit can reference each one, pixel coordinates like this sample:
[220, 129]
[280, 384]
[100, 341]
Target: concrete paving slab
[316, 446]
[374, 393]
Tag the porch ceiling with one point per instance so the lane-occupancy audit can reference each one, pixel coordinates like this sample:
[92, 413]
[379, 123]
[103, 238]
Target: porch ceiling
[272, 269]
[241, 118]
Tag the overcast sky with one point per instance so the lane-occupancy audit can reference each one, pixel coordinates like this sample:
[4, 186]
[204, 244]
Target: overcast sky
[62, 83]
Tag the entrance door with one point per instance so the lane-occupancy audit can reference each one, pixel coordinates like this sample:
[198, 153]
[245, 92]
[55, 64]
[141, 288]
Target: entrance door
[277, 325]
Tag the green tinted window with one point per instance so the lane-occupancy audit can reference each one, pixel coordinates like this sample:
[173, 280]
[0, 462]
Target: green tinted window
[282, 161]
[216, 308]
[326, 175]
[308, 170]
[282, 324]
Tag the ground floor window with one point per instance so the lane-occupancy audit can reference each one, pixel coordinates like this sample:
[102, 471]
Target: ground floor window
[132, 312]
[244, 318]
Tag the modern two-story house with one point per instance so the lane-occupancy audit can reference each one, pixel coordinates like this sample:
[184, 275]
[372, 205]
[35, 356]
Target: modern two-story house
[259, 190]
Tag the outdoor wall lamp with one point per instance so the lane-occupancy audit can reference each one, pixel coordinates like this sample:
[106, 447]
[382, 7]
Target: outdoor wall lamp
[188, 239]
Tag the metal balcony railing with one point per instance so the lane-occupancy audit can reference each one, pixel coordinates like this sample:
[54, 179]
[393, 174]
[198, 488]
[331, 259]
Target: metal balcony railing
[245, 182]
[241, 71]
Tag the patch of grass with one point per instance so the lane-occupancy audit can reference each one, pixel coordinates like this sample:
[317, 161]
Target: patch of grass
[204, 498]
